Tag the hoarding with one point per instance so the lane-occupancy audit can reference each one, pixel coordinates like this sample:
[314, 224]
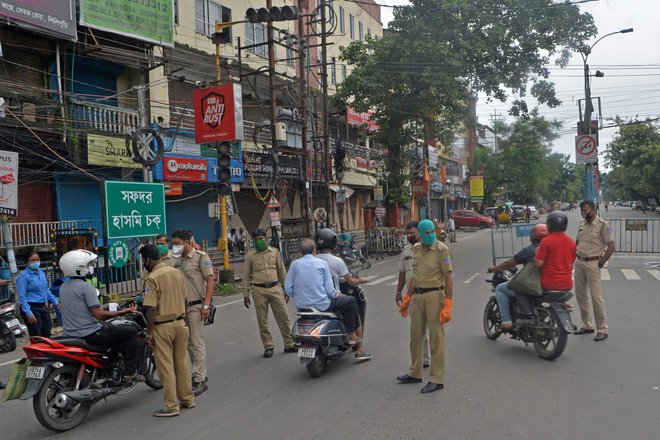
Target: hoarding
[134, 209]
[218, 114]
[109, 151]
[8, 183]
[56, 17]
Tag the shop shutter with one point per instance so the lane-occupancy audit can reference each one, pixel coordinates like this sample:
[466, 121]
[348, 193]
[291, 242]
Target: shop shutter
[192, 214]
[26, 66]
[35, 203]
[79, 199]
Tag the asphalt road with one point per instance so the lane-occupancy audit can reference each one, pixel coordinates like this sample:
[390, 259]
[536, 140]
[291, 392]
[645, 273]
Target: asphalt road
[493, 390]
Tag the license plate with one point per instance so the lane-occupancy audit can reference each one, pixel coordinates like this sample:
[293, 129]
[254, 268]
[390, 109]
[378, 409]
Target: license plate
[13, 323]
[307, 352]
[35, 372]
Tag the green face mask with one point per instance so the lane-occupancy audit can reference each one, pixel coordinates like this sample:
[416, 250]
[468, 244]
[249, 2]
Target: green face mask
[163, 249]
[260, 245]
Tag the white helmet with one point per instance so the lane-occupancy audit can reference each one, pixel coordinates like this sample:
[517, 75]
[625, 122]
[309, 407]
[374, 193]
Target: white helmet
[77, 263]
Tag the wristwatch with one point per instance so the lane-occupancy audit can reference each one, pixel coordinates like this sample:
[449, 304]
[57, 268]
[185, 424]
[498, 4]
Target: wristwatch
[206, 307]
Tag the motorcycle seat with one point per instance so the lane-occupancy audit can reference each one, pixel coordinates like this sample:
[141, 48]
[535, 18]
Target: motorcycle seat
[77, 342]
[311, 311]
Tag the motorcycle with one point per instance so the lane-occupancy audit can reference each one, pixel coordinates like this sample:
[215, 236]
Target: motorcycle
[550, 326]
[10, 328]
[66, 376]
[351, 254]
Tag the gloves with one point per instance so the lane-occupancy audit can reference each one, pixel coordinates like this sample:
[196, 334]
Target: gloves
[403, 307]
[445, 313]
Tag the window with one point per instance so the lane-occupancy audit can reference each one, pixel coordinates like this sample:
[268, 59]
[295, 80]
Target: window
[342, 21]
[290, 52]
[255, 33]
[331, 12]
[351, 26]
[206, 14]
[360, 31]
[343, 72]
[333, 71]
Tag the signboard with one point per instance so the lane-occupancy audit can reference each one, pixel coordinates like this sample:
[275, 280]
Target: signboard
[218, 114]
[586, 150]
[361, 162]
[360, 119]
[8, 183]
[208, 150]
[523, 230]
[151, 21]
[381, 211]
[54, 17]
[134, 209]
[261, 165]
[636, 225]
[378, 192]
[273, 203]
[118, 254]
[186, 169]
[275, 218]
[109, 151]
[173, 188]
[477, 187]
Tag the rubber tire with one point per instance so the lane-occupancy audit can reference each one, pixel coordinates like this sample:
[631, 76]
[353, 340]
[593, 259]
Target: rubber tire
[149, 378]
[8, 343]
[39, 401]
[483, 225]
[492, 319]
[316, 367]
[560, 344]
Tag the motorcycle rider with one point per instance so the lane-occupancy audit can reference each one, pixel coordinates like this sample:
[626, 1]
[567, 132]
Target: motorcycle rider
[83, 316]
[502, 291]
[556, 254]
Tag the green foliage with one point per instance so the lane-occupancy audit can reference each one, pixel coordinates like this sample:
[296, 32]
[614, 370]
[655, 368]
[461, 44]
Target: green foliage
[225, 289]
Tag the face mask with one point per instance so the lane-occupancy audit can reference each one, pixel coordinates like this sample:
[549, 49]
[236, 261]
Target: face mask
[177, 249]
[427, 232]
[90, 269]
[34, 265]
[587, 216]
[260, 245]
[412, 240]
[163, 249]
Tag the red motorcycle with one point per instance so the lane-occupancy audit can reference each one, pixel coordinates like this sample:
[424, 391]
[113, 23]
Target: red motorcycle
[66, 376]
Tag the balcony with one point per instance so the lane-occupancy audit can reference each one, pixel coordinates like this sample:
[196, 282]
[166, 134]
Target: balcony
[35, 234]
[95, 116]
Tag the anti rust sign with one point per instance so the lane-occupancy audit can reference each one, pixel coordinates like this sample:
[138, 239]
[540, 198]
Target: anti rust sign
[218, 114]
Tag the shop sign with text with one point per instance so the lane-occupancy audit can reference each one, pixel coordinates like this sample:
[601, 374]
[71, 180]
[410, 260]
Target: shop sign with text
[109, 151]
[186, 169]
[218, 114]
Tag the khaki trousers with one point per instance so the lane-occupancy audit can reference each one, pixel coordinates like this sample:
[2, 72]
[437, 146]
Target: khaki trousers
[196, 343]
[424, 315]
[587, 278]
[275, 298]
[170, 341]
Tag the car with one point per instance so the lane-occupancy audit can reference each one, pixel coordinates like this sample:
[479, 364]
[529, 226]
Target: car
[535, 212]
[657, 209]
[518, 213]
[469, 218]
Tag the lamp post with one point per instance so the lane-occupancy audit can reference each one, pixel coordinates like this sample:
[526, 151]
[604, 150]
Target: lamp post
[589, 193]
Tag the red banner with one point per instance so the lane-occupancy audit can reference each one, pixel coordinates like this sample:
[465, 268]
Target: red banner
[184, 168]
[218, 114]
[355, 118]
[361, 162]
[173, 188]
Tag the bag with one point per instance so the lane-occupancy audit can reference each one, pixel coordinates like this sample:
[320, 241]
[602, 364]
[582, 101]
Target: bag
[527, 280]
[17, 381]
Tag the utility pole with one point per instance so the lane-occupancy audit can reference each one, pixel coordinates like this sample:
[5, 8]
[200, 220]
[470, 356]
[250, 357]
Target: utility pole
[147, 175]
[222, 199]
[271, 88]
[324, 108]
[303, 110]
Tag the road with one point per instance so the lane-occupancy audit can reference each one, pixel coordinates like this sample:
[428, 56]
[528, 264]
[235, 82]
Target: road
[493, 390]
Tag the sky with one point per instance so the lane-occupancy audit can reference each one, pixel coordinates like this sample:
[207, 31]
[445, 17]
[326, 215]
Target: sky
[631, 63]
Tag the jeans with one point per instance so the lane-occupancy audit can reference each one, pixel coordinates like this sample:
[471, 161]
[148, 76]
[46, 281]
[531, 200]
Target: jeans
[349, 308]
[502, 295]
[119, 335]
[44, 323]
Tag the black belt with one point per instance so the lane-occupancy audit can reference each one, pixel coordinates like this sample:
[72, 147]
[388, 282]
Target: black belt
[420, 290]
[171, 320]
[194, 303]
[37, 304]
[266, 285]
[588, 258]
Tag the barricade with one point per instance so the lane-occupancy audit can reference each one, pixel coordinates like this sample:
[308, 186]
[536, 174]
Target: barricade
[636, 235]
[506, 242]
[381, 240]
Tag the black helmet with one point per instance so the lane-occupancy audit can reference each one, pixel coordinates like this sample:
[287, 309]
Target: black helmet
[326, 239]
[557, 221]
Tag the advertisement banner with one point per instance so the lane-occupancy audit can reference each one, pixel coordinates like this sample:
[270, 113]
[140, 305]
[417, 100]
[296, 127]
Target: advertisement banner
[8, 183]
[108, 151]
[134, 209]
[173, 188]
[56, 17]
[360, 119]
[151, 21]
[186, 169]
[477, 187]
[259, 165]
[218, 114]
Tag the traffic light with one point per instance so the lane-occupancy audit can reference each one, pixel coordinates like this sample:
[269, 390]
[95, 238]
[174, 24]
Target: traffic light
[224, 168]
[276, 13]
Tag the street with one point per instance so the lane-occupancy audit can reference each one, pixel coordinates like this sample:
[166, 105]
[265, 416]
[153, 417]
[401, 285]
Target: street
[493, 390]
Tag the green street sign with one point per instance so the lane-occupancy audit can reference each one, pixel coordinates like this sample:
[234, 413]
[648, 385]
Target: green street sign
[118, 254]
[134, 209]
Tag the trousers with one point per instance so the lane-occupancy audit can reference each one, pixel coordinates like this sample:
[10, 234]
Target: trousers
[118, 335]
[273, 297]
[44, 322]
[170, 341]
[426, 308]
[348, 307]
[587, 283]
[196, 343]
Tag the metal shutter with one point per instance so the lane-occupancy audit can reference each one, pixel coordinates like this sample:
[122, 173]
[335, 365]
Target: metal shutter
[35, 203]
[192, 214]
[79, 199]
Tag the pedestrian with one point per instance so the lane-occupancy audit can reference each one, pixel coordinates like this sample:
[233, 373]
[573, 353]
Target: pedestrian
[167, 334]
[230, 241]
[430, 295]
[264, 271]
[34, 296]
[405, 273]
[197, 269]
[163, 245]
[595, 246]
[528, 214]
[452, 229]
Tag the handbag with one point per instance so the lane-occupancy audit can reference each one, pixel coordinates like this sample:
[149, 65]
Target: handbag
[527, 280]
[17, 381]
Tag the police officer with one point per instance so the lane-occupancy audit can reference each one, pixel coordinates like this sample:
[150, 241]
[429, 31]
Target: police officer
[595, 246]
[430, 294]
[197, 269]
[167, 334]
[263, 268]
[163, 245]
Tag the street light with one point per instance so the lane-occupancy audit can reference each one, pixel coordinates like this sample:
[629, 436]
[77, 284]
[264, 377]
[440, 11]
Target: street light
[589, 193]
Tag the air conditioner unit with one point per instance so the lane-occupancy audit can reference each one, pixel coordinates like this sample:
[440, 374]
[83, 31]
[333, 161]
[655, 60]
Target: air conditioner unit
[280, 131]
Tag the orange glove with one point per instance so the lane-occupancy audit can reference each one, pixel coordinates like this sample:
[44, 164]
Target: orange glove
[445, 313]
[403, 307]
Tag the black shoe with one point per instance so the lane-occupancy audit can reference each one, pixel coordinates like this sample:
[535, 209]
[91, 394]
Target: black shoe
[600, 336]
[430, 387]
[163, 413]
[199, 387]
[268, 353]
[408, 379]
[290, 350]
[584, 331]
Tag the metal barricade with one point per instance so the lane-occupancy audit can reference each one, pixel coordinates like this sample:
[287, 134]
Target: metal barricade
[506, 242]
[636, 235]
[381, 241]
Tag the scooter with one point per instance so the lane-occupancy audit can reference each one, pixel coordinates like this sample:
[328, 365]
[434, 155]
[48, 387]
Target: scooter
[10, 328]
[351, 254]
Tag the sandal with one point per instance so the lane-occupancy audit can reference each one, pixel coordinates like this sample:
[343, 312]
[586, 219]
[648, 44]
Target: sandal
[364, 356]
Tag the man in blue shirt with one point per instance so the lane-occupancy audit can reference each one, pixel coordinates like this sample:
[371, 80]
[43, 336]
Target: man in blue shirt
[33, 296]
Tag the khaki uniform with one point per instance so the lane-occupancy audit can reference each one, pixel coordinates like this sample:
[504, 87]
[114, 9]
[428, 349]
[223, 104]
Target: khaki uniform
[405, 265]
[196, 266]
[166, 292]
[429, 269]
[266, 273]
[169, 260]
[592, 239]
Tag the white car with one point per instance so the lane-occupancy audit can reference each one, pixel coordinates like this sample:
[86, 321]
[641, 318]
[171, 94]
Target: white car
[535, 212]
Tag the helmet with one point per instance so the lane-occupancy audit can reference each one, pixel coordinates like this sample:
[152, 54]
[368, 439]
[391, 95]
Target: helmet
[539, 231]
[557, 221]
[326, 239]
[77, 263]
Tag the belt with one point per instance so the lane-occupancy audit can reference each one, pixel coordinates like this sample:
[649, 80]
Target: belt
[194, 303]
[588, 258]
[37, 304]
[266, 285]
[420, 290]
[171, 320]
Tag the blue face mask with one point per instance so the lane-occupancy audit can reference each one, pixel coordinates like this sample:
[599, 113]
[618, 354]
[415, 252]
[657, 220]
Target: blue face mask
[34, 265]
[426, 230]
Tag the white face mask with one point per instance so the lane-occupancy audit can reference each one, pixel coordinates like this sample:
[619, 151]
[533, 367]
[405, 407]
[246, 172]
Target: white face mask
[90, 269]
[177, 249]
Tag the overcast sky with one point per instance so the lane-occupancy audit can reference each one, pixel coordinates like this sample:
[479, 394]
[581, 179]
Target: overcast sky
[631, 63]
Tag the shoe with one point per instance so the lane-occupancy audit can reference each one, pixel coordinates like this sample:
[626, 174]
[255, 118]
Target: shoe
[189, 406]
[506, 327]
[290, 350]
[408, 379]
[431, 387]
[584, 331]
[600, 336]
[199, 387]
[364, 356]
[163, 413]
[522, 322]
[268, 353]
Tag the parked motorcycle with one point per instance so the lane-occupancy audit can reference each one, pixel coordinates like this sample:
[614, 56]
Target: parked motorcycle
[551, 323]
[66, 376]
[10, 328]
[351, 254]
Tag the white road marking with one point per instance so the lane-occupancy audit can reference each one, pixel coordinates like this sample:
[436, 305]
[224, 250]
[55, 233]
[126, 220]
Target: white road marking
[382, 279]
[393, 283]
[630, 274]
[604, 275]
[471, 278]
[655, 273]
[9, 362]
[233, 302]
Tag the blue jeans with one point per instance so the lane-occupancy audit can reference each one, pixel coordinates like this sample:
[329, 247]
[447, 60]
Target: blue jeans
[502, 295]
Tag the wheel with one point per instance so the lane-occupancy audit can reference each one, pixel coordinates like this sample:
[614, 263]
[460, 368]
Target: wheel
[8, 343]
[151, 375]
[492, 319]
[550, 342]
[50, 411]
[483, 225]
[316, 368]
